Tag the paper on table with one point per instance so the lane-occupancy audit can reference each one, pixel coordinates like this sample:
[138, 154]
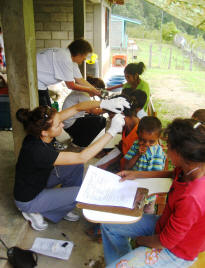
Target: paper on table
[52, 248]
[101, 187]
[112, 154]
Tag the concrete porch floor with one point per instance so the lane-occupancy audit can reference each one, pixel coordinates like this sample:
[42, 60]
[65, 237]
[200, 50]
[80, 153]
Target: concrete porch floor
[14, 230]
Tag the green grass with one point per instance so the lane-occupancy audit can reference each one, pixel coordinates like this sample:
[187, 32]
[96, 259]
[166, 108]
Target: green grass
[189, 81]
[161, 55]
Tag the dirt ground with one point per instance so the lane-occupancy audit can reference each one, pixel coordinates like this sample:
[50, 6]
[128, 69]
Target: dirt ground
[173, 97]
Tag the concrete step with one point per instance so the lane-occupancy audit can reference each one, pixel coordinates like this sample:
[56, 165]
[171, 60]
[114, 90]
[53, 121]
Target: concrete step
[12, 224]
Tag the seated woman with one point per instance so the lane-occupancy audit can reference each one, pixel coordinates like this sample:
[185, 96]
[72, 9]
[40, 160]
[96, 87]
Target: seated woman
[133, 72]
[175, 238]
[40, 167]
[83, 127]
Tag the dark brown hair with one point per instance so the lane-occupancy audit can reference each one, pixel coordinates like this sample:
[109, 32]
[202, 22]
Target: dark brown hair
[96, 82]
[135, 68]
[137, 97]
[199, 115]
[187, 138]
[80, 46]
[37, 120]
[150, 124]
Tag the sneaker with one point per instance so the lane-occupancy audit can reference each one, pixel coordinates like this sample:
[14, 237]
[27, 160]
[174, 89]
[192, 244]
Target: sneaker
[60, 146]
[36, 220]
[71, 216]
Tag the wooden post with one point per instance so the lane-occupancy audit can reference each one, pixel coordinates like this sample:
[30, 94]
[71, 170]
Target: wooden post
[150, 56]
[20, 51]
[170, 58]
[79, 26]
[160, 56]
[191, 61]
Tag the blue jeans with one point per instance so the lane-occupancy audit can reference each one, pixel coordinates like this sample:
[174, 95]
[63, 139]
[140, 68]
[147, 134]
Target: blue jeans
[116, 242]
[54, 203]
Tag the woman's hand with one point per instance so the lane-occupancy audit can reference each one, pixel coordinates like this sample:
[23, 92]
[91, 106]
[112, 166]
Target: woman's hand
[127, 175]
[115, 105]
[117, 124]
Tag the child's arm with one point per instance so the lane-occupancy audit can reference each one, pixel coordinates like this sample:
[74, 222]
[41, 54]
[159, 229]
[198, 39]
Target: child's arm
[130, 163]
[112, 161]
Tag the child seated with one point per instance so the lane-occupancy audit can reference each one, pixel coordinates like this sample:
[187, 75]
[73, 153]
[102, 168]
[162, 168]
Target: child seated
[146, 154]
[137, 99]
[199, 115]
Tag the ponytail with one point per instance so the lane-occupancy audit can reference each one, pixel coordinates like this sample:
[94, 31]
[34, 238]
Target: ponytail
[134, 68]
[36, 121]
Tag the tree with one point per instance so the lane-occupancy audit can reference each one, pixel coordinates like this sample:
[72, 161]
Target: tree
[168, 31]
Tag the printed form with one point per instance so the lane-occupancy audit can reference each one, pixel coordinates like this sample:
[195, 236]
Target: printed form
[101, 187]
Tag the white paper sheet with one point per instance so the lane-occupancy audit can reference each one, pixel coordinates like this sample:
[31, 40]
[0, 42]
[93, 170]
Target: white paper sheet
[112, 154]
[101, 187]
[52, 248]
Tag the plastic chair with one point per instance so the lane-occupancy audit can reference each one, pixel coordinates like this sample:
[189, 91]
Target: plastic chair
[155, 186]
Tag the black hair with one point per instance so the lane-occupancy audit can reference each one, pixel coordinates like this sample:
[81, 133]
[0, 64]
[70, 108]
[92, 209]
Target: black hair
[80, 46]
[187, 138]
[137, 96]
[37, 120]
[96, 82]
[150, 124]
[135, 68]
[199, 115]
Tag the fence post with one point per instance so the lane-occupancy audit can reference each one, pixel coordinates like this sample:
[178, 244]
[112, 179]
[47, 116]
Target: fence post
[170, 58]
[191, 61]
[150, 56]
[160, 55]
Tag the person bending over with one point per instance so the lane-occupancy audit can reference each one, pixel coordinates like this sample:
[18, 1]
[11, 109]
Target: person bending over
[40, 167]
[84, 127]
[55, 65]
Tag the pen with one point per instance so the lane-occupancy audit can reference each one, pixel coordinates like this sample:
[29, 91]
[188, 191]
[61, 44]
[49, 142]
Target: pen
[64, 235]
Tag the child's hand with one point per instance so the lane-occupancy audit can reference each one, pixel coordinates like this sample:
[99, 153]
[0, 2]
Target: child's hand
[142, 149]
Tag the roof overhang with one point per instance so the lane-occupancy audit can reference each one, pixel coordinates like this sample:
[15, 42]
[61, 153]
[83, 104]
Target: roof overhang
[189, 11]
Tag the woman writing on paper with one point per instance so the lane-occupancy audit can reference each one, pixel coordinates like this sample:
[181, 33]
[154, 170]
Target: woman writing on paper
[40, 167]
[175, 238]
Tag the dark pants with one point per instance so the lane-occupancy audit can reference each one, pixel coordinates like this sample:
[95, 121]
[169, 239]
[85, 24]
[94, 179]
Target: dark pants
[85, 129]
[44, 98]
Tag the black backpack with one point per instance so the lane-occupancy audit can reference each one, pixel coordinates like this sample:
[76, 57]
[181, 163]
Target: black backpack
[20, 258]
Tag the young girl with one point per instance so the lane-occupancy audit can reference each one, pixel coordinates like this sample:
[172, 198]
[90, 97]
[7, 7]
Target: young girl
[132, 74]
[199, 115]
[137, 99]
[40, 167]
[177, 237]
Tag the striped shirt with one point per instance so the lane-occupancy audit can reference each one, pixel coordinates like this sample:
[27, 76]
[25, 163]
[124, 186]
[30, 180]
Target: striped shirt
[153, 159]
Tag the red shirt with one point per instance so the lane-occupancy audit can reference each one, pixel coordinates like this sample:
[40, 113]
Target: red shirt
[182, 224]
[127, 142]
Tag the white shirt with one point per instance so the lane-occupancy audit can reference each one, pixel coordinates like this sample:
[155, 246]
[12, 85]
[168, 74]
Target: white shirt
[55, 65]
[141, 113]
[73, 98]
[2, 43]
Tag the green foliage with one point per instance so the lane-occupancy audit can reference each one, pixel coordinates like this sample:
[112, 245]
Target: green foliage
[152, 17]
[168, 31]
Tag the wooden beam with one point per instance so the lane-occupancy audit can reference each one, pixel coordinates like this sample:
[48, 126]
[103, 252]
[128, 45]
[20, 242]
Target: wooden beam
[79, 26]
[20, 52]
[79, 18]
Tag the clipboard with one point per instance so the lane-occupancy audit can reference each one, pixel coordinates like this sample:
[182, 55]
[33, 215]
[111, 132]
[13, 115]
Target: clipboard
[136, 211]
